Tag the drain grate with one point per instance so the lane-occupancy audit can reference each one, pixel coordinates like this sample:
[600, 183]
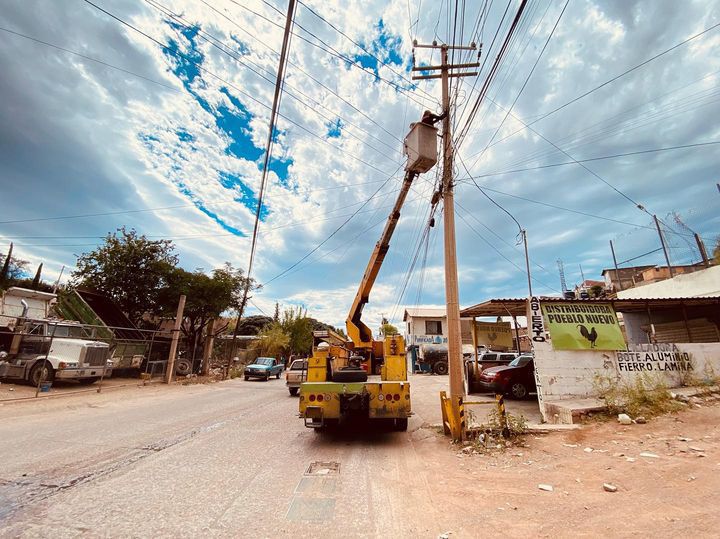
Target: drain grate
[323, 468]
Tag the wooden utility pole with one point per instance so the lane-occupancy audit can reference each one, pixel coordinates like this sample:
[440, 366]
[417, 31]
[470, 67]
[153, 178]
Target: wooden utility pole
[174, 343]
[664, 247]
[457, 387]
[617, 271]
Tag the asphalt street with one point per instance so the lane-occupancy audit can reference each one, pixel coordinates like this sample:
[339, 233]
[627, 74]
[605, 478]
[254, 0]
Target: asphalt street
[229, 459]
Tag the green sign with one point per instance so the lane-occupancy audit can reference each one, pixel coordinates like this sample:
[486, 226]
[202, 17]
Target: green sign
[583, 326]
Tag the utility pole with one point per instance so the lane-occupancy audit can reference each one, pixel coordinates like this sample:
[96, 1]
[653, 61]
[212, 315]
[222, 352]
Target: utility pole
[617, 272]
[174, 341]
[452, 297]
[664, 247]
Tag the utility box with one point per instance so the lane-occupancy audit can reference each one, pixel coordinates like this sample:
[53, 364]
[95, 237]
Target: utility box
[421, 147]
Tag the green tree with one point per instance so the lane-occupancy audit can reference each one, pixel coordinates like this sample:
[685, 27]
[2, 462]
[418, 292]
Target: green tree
[388, 329]
[273, 341]
[276, 316]
[129, 268]
[299, 328]
[251, 325]
[13, 269]
[207, 297]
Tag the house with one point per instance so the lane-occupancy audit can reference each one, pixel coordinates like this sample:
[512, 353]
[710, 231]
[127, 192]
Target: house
[429, 326]
[626, 278]
[585, 289]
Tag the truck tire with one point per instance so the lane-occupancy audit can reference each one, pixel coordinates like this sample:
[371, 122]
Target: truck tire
[183, 367]
[349, 375]
[277, 376]
[440, 367]
[37, 371]
[293, 391]
[267, 377]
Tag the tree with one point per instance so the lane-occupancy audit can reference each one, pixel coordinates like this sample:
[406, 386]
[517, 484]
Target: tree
[297, 326]
[129, 268]
[252, 325]
[207, 296]
[273, 341]
[716, 251]
[388, 329]
[276, 316]
[13, 268]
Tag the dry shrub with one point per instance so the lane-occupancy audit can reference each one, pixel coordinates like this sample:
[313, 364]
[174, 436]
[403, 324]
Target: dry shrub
[645, 395]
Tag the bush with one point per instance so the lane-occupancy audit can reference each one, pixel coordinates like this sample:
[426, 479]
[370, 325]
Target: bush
[646, 395]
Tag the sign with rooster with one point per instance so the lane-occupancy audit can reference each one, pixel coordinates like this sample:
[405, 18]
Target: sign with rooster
[494, 335]
[583, 326]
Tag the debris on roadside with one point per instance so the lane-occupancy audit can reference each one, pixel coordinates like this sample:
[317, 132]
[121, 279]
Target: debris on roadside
[609, 487]
[649, 455]
[546, 488]
[624, 419]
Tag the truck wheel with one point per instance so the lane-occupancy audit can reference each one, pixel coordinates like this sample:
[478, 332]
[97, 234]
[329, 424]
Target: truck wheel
[440, 367]
[277, 376]
[401, 424]
[40, 369]
[247, 378]
[293, 391]
[267, 377]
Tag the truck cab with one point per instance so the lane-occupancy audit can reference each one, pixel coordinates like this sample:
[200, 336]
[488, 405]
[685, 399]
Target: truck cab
[49, 350]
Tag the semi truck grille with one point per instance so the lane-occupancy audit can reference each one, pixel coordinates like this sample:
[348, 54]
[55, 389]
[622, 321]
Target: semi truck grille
[96, 356]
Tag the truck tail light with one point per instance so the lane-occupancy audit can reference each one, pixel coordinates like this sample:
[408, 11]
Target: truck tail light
[312, 398]
[388, 396]
[396, 397]
[320, 398]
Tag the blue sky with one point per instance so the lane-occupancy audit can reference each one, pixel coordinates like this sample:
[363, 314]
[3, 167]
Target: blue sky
[172, 142]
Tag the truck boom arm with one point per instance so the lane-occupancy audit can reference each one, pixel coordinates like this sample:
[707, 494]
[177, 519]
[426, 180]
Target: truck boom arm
[357, 331]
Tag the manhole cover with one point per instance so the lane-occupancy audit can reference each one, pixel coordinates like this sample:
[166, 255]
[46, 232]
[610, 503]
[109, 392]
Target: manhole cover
[323, 468]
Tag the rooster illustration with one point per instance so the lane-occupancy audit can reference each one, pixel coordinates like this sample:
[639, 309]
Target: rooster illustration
[491, 337]
[589, 335]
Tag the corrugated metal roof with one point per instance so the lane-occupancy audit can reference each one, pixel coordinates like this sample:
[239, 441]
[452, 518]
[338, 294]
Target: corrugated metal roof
[517, 306]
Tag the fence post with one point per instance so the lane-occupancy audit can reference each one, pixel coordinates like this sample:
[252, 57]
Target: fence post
[207, 349]
[174, 343]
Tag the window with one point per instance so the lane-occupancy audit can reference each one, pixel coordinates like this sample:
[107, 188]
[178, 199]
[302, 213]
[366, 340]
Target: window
[433, 327]
[489, 357]
[507, 357]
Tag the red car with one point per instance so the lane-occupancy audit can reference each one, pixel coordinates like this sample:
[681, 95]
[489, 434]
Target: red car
[516, 379]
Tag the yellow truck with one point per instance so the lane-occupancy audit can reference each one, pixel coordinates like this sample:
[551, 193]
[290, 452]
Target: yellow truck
[363, 378]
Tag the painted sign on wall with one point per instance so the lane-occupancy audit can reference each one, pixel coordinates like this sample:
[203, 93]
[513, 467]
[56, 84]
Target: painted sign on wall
[583, 326]
[661, 357]
[428, 339]
[494, 335]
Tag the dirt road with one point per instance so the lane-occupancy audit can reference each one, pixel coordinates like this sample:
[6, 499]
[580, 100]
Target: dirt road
[233, 460]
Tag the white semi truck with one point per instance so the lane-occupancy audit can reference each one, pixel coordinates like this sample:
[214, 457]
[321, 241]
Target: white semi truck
[35, 350]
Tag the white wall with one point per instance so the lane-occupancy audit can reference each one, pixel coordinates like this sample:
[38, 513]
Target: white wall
[701, 283]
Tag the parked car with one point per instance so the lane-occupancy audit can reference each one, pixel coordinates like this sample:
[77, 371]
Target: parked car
[517, 379]
[296, 375]
[263, 367]
[486, 360]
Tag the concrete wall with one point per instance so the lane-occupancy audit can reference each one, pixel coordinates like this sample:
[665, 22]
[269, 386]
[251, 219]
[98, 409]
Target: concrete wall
[698, 284]
[571, 374]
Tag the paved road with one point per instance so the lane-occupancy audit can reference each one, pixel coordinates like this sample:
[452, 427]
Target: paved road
[227, 459]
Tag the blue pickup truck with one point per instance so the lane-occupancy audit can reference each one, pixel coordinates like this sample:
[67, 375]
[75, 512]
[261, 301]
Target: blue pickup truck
[264, 367]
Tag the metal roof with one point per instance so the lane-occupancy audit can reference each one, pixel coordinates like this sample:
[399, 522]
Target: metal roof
[517, 306]
[423, 312]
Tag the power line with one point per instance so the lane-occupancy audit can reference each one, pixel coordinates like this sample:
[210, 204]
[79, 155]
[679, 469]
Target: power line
[590, 159]
[522, 88]
[323, 242]
[330, 50]
[225, 49]
[609, 81]
[360, 46]
[200, 68]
